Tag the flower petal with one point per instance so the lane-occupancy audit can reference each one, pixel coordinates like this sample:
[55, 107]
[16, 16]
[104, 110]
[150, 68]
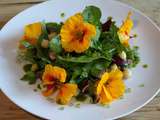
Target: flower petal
[66, 92]
[115, 75]
[76, 34]
[127, 25]
[53, 73]
[48, 92]
[103, 80]
[125, 30]
[116, 88]
[105, 96]
[32, 32]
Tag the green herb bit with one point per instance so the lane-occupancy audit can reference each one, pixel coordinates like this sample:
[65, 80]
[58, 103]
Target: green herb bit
[62, 15]
[128, 90]
[136, 47]
[141, 85]
[77, 105]
[61, 108]
[145, 66]
[135, 35]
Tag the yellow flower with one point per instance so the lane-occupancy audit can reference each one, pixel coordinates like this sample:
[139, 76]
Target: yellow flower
[125, 30]
[76, 34]
[31, 34]
[110, 87]
[53, 78]
[66, 92]
[52, 74]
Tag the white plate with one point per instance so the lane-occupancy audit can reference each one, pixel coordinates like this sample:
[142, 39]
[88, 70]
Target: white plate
[22, 94]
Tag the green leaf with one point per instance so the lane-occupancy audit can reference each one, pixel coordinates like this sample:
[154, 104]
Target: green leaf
[85, 72]
[132, 56]
[95, 40]
[77, 72]
[92, 15]
[55, 45]
[81, 59]
[53, 27]
[110, 42]
[98, 33]
[26, 44]
[29, 55]
[42, 54]
[27, 67]
[44, 30]
[30, 77]
[98, 67]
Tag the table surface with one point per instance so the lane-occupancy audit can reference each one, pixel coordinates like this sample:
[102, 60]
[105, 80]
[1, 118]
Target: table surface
[9, 8]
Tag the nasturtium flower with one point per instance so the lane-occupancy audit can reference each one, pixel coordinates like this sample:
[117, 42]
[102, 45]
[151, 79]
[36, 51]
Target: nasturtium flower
[110, 86]
[76, 34]
[125, 30]
[31, 34]
[66, 92]
[54, 79]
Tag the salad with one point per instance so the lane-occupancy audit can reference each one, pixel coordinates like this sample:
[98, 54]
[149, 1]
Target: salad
[80, 58]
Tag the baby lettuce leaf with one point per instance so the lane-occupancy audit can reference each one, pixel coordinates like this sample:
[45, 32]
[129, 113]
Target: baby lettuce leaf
[92, 15]
[95, 43]
[30, 77]
[55, 45]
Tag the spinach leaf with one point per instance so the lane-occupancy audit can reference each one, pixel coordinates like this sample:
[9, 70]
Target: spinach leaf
[30, 77]
[92, 15]
[53, 27]
[55, 45]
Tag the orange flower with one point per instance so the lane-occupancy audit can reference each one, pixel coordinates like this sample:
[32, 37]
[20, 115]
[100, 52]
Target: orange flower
[53, 78]
[110, 87]
[125, 30]
[76, 34]
[31, 33]
[66, 92]
[52, 74]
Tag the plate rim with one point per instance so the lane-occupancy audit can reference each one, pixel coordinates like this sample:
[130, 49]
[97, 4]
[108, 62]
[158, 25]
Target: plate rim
[122, 115]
